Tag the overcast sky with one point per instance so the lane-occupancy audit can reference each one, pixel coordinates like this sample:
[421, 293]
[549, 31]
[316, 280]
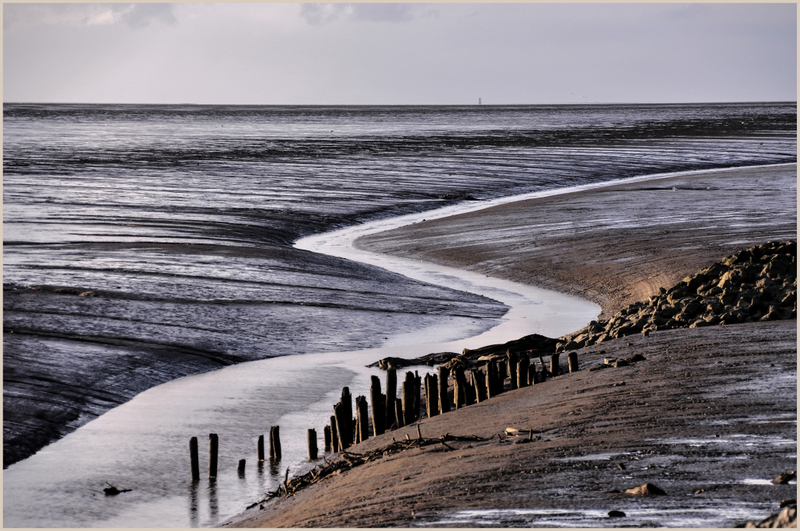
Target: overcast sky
[271, 53]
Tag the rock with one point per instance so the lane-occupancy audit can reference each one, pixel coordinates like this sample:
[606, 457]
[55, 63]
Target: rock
[787, 517]
[616, 514]
[785, 478]
[648, 489]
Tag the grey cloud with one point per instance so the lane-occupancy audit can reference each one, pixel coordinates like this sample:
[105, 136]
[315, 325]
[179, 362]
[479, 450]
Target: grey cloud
[134, 15]
[141, 15]
[317, 14]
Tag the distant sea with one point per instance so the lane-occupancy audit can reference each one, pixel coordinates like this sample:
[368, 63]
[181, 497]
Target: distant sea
[145, 242]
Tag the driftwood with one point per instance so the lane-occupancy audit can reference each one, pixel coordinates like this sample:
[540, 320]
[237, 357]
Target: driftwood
[348, 460]
[436, 358]
[537, 343]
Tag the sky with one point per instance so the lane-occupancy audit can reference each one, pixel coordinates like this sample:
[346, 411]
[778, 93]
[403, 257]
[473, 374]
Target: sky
[399, 54]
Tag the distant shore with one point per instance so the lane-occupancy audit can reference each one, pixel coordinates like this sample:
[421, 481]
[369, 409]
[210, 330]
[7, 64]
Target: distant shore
[599, 433]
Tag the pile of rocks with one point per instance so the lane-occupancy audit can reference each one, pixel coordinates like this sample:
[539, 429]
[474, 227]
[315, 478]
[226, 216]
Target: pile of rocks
[756, 284]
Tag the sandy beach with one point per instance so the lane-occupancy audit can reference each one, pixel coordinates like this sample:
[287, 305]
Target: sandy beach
[709, 416]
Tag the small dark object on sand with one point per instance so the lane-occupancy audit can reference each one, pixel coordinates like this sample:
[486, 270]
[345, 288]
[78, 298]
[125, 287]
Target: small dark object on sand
[785, 478]
[111, 490]
[648, 489]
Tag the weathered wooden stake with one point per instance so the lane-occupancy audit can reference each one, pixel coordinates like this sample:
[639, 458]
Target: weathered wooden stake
[555, 370]
[342, 426]
[522, 371]
[469, 390]
[213, 452]
[408, 399]
[490, 377]
[240, 468]
[572, 359]
[476, 375]
[334, 435]
[194, 457]
[347, 401]
[417, 394]
[444, 398]
[432, 395]
[311, 435]
[398, 413]
[260, 448]
[391, 395]
[533, 375]
[326, 432]
[362, 415]
[512, 361]
[275, 443]
[378, 409]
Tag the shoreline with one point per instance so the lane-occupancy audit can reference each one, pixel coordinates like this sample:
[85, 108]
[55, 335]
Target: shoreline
[656, 254]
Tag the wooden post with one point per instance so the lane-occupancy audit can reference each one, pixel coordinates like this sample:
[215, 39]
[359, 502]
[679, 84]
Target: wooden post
[240, 468]
[342, 424]
[500, 376]
[432, 395]
[469, 390]
[347, 402]
[490, 385]
[522, 371]
[512, 361]
[311, 435]
[533, 375]
[213, 452]
[362, 424]
[417, 395]
[398, 413]
[378, 409]
[275, 443]
[572, 359]
[408, 399]
[326, 432]
[555, 370]
[260, 448]
[444, 398]
[477, 384]
[334, 435]
[194, 457]
[391, 395]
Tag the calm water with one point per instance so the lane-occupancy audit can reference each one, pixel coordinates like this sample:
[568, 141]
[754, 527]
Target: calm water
[146, 243]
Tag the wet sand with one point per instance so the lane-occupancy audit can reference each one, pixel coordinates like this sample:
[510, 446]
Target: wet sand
[709, 416]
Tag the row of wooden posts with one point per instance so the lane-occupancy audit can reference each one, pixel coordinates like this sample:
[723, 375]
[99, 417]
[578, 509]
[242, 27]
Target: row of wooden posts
[390, 412]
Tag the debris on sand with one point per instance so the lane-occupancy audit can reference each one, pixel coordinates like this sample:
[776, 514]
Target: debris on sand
[648, 489]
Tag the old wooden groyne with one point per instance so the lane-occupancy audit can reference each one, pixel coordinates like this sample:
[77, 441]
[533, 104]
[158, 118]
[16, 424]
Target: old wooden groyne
[452, 386]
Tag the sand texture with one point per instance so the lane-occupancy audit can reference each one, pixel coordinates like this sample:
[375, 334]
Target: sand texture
[709, 415]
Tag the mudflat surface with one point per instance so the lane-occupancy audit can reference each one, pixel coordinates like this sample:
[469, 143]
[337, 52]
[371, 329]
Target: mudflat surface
[614, 245]
[709, 416]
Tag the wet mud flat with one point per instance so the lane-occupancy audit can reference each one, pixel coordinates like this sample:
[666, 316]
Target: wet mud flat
[73, 351]
[709, 416]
